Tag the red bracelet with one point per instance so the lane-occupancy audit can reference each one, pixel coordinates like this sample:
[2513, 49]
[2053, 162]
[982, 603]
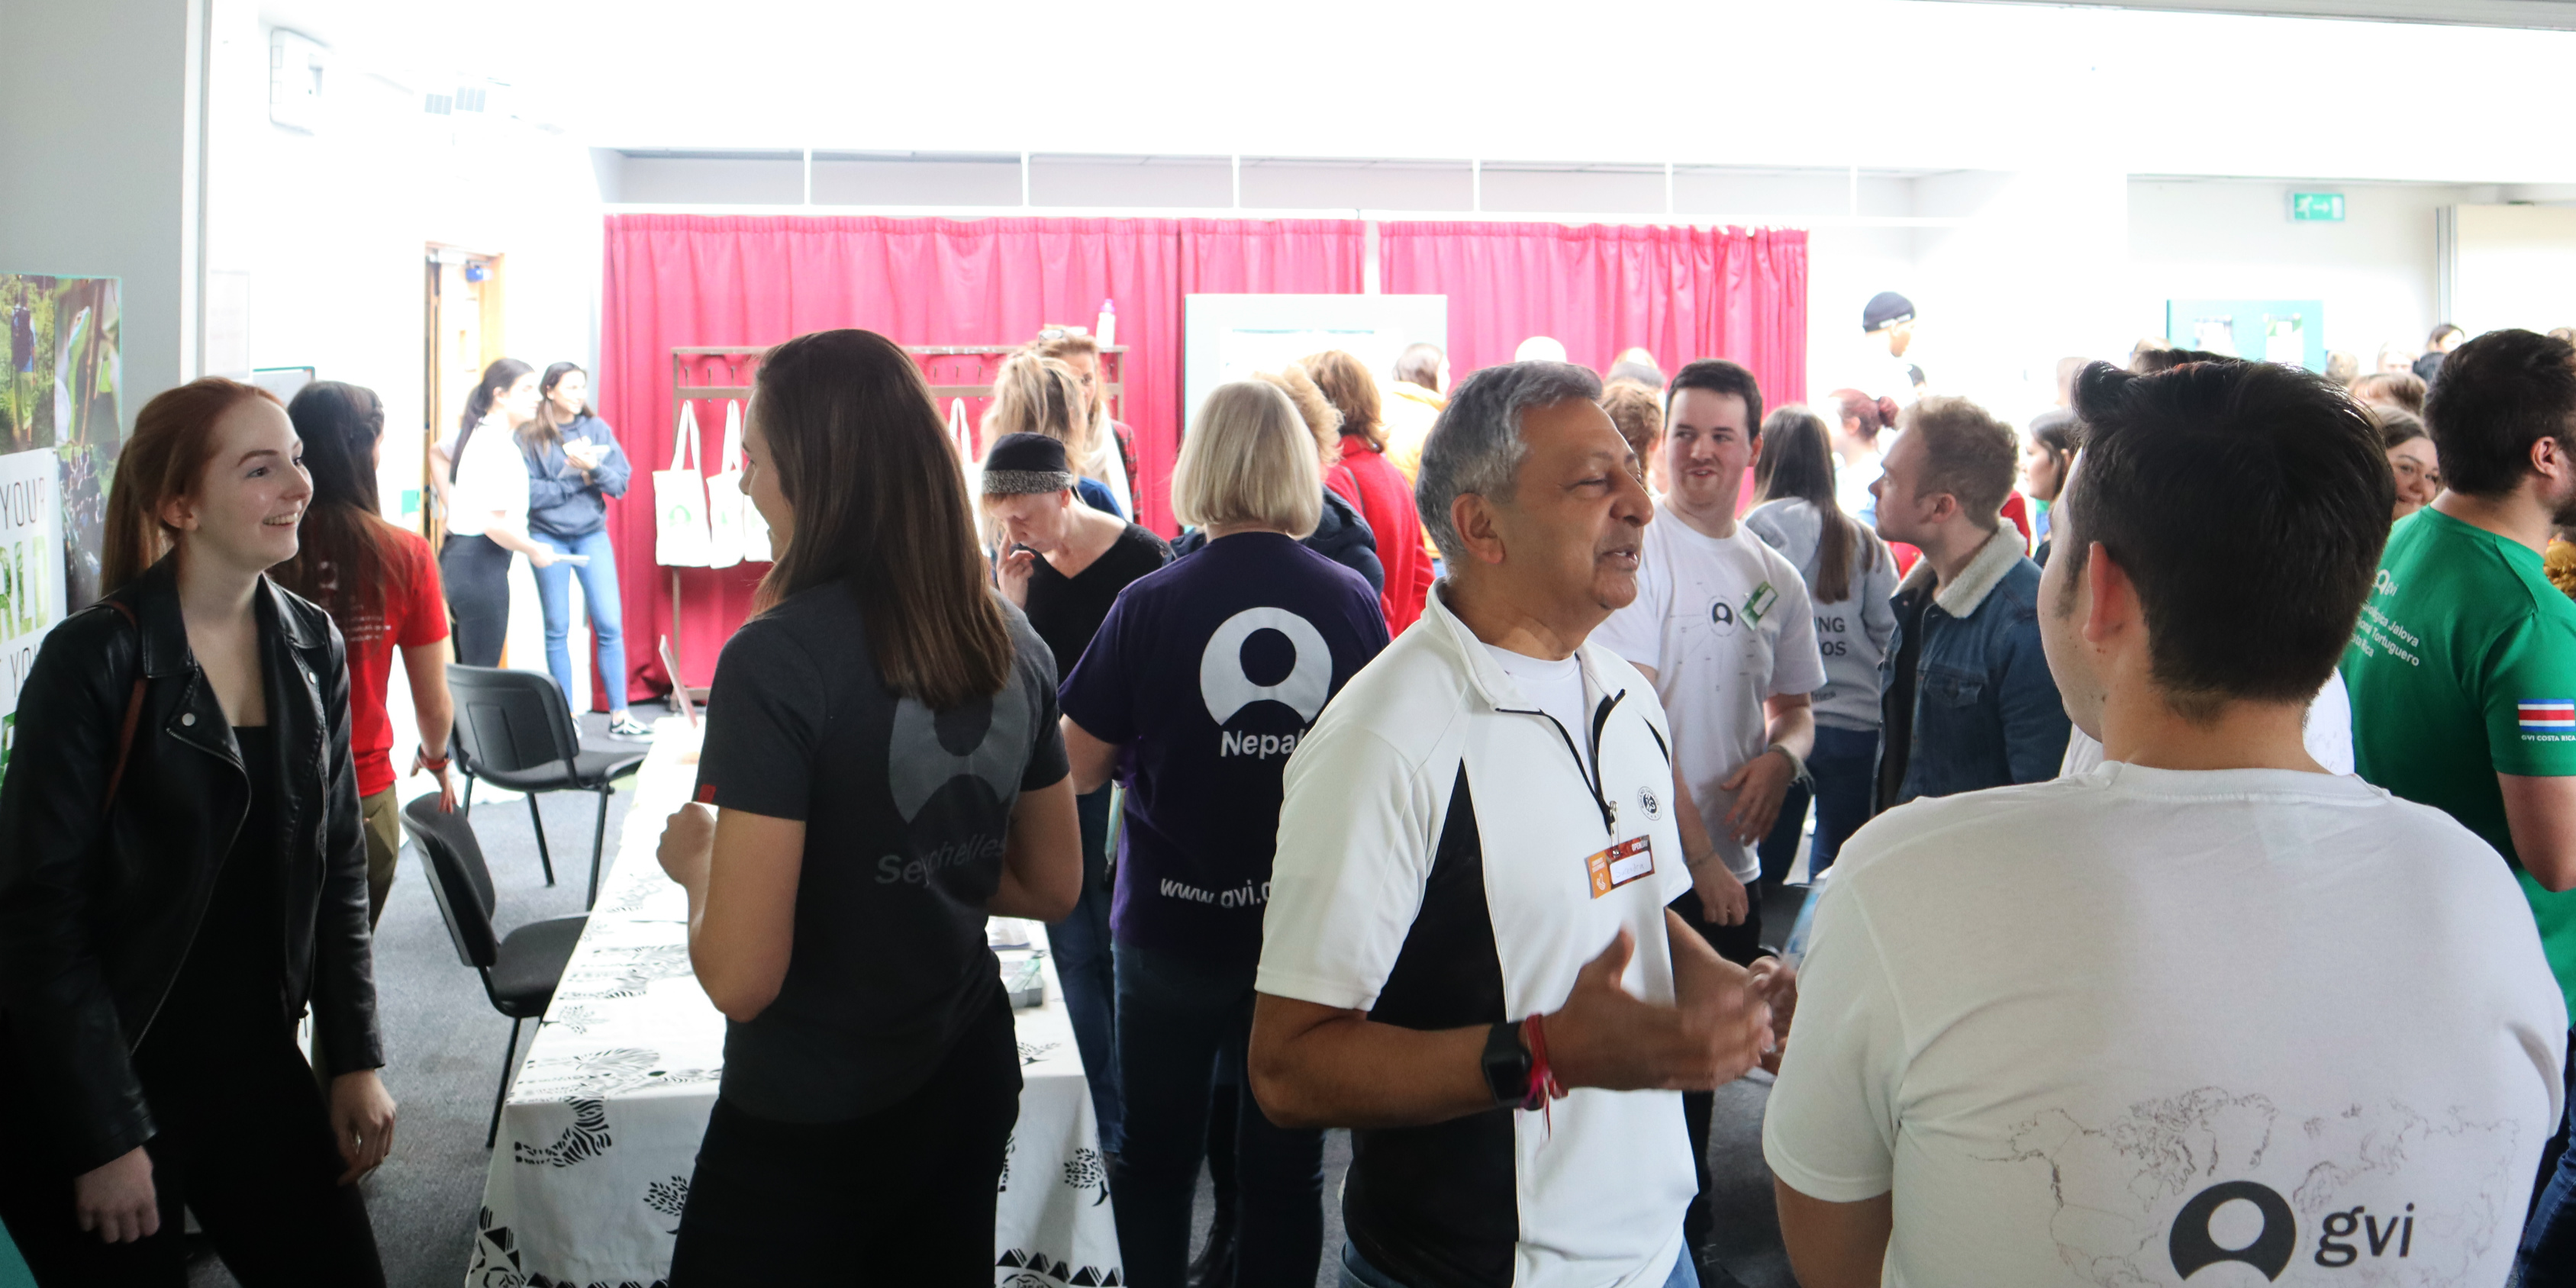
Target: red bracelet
[420, 760]
[1544, 1085]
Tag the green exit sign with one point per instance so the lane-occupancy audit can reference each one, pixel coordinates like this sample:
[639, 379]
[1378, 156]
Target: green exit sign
[2323, 207]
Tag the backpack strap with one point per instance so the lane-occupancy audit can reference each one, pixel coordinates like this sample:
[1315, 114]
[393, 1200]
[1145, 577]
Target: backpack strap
[133, 715]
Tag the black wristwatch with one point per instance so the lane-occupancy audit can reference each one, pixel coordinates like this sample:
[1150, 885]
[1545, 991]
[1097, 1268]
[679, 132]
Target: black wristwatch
[1507, 1064]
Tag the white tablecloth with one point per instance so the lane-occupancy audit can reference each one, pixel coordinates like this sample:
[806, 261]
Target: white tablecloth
[602, 1127]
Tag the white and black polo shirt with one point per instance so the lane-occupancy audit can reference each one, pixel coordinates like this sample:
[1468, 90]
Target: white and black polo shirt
[1445, 860]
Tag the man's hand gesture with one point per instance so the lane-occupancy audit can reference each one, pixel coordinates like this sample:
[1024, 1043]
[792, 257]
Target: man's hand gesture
[1605, 1037]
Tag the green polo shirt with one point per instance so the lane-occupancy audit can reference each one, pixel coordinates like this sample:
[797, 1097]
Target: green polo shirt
[2464, 667]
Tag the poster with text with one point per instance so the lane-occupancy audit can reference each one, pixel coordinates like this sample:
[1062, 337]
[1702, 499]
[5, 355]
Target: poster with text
[65, 375]
[31, 574]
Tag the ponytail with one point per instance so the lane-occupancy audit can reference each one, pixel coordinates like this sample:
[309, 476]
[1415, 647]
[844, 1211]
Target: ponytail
[1870, 414]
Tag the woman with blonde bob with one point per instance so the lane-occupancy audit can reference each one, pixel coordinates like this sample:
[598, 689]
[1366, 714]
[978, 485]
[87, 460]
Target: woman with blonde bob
[1035, 394]
[1202, 679]
[1337, 531]
[886, 773]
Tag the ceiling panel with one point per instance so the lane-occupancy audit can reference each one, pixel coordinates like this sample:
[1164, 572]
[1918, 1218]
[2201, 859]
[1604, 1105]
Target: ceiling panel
[2556, 14]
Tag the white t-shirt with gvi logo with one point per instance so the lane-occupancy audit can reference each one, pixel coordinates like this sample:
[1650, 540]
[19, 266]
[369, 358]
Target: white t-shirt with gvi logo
[2154, 1027]
[1724, 622]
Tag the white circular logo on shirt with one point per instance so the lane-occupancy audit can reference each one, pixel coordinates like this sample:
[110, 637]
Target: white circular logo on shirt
[1228, 690]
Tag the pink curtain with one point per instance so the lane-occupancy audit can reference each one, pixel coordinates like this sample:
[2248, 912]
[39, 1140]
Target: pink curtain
[1678, 292]
[676, 280]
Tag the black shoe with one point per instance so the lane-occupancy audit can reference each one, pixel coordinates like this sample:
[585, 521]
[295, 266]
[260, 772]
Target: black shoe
[1214, 1267]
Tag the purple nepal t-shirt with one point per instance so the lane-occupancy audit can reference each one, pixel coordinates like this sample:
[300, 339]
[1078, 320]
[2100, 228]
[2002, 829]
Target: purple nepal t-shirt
[1209, 671]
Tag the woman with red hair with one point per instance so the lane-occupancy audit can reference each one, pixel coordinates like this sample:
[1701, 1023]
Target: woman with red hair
[181, 874]
[1362, 475]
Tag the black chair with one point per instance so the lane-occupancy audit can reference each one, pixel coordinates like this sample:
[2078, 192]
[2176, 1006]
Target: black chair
[514, 728]
[519, 972]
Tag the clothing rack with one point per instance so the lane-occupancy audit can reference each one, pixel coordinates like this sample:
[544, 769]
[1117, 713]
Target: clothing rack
[732, 365]
[714, 373]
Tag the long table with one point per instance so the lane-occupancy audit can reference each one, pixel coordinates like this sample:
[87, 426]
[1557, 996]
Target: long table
[601, 1130]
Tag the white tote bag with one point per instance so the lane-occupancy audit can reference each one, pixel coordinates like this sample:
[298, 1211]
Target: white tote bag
[680, 501]
[755, 530]
[724, 499]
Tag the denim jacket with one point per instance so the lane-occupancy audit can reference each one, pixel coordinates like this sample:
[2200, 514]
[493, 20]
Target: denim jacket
[1981, 709]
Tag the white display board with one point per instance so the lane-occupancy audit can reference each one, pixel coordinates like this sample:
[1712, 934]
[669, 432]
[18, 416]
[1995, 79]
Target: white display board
[31, 572]
[1229, 337]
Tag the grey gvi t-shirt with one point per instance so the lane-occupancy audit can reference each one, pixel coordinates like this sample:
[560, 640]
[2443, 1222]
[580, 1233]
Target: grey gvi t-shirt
[1853, 633]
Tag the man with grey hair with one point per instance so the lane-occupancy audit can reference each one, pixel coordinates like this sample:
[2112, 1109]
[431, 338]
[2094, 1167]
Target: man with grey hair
[1466, 929]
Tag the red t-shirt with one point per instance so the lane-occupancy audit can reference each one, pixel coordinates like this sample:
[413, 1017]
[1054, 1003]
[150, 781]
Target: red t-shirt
[1367, 480]
[415, 613]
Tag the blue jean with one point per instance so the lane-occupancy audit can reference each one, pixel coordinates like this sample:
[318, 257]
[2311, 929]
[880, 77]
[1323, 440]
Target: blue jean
[1844, 766]
[1080, 944]
[1358, 1273]
[2548, 1251]
[1174, 1016]
[599, 595]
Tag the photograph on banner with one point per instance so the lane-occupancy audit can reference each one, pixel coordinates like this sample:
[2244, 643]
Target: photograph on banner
[65, 376]
[31, 574]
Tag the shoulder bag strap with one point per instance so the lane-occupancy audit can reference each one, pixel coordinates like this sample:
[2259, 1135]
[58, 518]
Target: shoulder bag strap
[133, 713]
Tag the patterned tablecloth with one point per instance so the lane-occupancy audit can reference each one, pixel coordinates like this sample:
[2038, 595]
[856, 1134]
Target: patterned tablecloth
[602, 1127]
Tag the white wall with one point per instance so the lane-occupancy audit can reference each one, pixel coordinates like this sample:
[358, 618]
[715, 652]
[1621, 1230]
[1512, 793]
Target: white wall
[2515, 266]
[331, 229]
[97, 138]
[328, 232]
[1877, 83]
[2377, 271]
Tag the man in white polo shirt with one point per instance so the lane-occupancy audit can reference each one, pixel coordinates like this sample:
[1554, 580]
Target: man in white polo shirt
[1723, 629]
[1466, 958]
[2207, 1008]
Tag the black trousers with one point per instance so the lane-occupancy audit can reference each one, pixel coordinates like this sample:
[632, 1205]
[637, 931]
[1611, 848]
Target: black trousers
[244, 1141]
[476, 573]
[904, 1195]
[1739, 944]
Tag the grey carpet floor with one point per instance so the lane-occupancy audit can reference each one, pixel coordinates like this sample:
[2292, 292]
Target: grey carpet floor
[444, 1042]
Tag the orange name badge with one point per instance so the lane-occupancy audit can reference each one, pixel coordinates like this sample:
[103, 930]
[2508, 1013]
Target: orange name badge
[1620, 864]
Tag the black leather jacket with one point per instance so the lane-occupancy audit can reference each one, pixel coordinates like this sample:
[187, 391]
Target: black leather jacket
[96, 914]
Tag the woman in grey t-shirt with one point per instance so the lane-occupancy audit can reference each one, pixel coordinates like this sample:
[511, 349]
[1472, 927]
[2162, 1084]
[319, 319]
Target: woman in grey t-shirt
[1851, 577]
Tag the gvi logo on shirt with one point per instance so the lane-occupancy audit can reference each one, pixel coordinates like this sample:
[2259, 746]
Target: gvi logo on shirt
[1227, 689]
[920, 765]
[2194, 1247]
